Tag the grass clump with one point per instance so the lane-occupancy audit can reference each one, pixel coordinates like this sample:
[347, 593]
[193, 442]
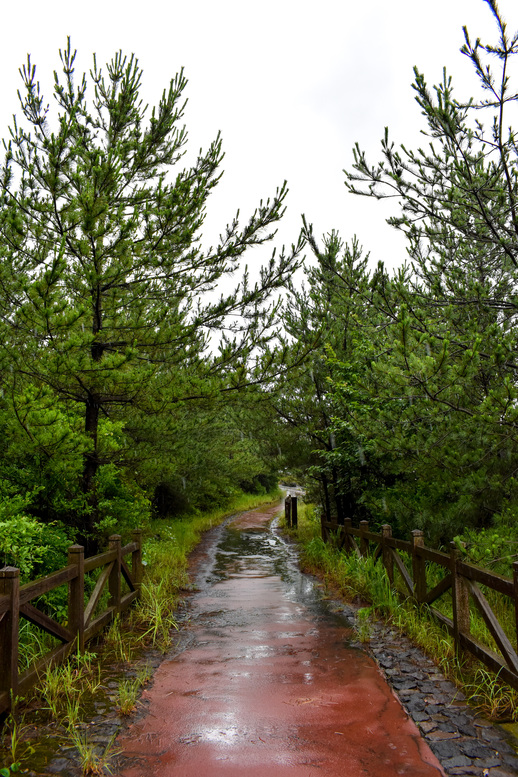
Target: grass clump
[486, 693]
[127, 695]
[15, 746]
[94, 760]
[63, 686]
[129, 689]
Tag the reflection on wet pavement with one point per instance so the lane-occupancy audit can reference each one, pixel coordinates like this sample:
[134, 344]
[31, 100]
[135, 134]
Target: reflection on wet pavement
[267, 683]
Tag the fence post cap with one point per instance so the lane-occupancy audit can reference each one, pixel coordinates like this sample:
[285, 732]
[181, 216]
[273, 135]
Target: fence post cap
[114, 538]
[76, 549]
[9, 572]
[454, 549]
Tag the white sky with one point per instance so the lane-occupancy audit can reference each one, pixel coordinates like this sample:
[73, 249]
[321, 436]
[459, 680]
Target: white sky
[291, 84]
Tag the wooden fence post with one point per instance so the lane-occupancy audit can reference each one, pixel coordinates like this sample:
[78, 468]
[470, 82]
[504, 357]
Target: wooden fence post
[515, 585]
[418, 566]
[287, 510]
[10, 586]
[323, 529]
[347, 543]
[76, 595]
[294, 516]
[386, 551]
[115, 574]
[364, 542]
[136, 559]
[460, 598]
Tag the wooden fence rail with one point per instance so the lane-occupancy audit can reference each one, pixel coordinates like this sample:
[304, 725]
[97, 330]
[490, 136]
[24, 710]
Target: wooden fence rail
[83, 622]
[461, 580]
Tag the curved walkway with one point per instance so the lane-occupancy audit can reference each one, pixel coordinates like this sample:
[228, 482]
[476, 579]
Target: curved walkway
[266, 683]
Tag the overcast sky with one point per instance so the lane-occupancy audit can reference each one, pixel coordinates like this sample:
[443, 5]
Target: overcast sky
[291, 85]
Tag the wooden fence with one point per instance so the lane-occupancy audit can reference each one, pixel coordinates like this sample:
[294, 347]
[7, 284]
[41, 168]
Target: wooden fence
[461, 580]
[83, 622]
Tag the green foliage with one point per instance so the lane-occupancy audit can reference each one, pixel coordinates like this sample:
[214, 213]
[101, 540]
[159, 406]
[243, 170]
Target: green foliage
[492, 698]
[25, 542]
[123, 506]
[330, 332]
[21, 542]
[13, 768]
[497, 546]
[18, 749]
[92, 762]
[127, 695]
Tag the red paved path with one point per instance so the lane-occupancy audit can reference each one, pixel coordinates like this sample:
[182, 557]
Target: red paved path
[269, 689]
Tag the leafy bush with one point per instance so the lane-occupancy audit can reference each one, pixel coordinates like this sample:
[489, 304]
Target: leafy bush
[122, 506]
[496, 546]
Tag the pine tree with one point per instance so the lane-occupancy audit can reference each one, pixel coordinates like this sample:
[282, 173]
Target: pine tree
[105, 284]
[452, 356]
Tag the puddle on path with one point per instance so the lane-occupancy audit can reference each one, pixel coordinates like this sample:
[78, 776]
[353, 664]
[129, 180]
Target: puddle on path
[267, 683]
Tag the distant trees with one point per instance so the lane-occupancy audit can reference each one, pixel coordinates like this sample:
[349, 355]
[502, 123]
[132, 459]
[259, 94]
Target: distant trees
[322, 317]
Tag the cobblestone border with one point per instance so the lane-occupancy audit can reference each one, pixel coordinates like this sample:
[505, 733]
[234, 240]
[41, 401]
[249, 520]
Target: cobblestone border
[463, 742]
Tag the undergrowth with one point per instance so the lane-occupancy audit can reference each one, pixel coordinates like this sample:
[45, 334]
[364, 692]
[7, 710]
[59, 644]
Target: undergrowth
[365, 582]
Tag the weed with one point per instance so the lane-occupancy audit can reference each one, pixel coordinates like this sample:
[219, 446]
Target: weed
[118, 643]
[32, 643]
[93, 763]
[18, 749]
[129, 689]
[92, 680]
[492, 697]
[144, 674]
[72, 711]
[6, 771]
[363, 627]
[127, 695]
[83, 661]
[50, 689]
[154, 609]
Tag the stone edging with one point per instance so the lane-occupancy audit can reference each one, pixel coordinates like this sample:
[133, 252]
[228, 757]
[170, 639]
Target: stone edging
[463, 742]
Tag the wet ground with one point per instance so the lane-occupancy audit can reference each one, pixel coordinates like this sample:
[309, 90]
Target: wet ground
[265, 680]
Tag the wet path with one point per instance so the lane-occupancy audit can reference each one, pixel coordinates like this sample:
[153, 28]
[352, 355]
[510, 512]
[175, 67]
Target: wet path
[265, 684]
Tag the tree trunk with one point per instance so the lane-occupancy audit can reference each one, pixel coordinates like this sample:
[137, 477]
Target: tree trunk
[90, 467]
[327, 503]
[337, 498]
